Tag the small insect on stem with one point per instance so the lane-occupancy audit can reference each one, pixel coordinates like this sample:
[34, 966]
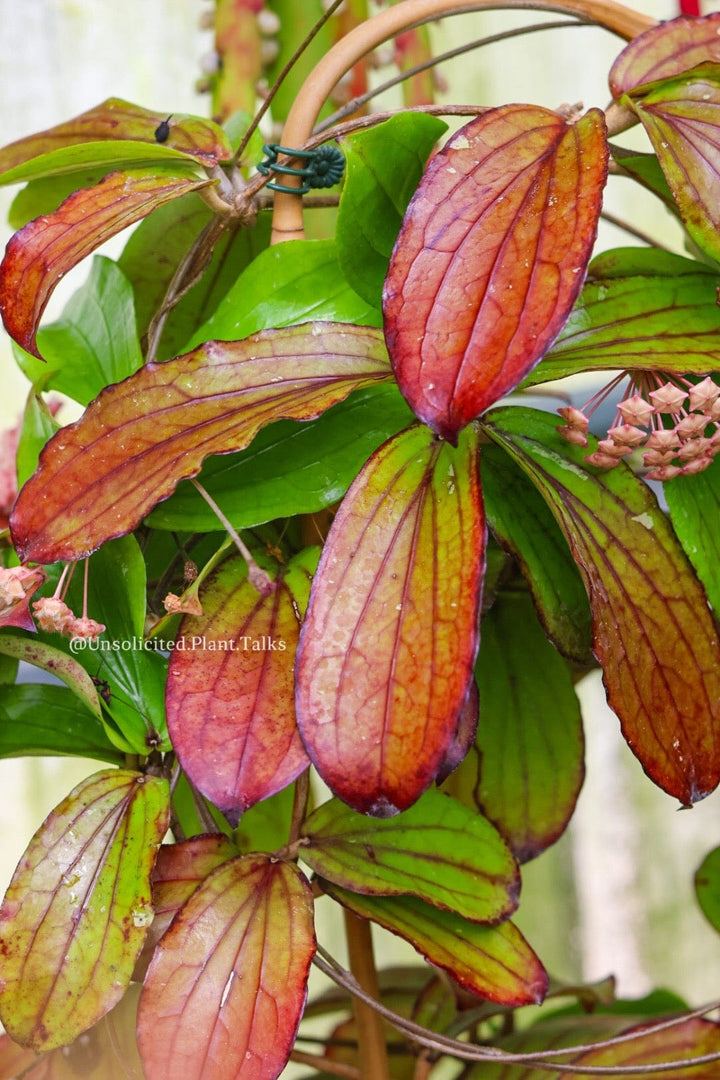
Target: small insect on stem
[162, 131]
[103, 688]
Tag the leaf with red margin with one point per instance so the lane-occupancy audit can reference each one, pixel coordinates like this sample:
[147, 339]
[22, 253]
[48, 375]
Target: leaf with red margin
[225, 991]
[682, 119]
[230, 703]
[75, 916]
[495, 962]
[653, 632]
[39, 255]
[389, 640]
[115, 119]
[491, 257]
[179, 869]
[97, 478]
[691, 1039]
[664, 51]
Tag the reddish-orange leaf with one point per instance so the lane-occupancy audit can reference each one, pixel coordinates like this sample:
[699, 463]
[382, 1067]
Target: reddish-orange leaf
[230, 692]
[225, 991]
[653, 632]
[391, 632]
[491, 257]
[692, 1039]
[666, 50]
[117, 119]
[39, 255]
[97, 478]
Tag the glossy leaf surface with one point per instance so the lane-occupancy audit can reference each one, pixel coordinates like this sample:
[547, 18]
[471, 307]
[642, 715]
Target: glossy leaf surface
[653, 632]
[118, 121]
[56, 662]
[95, 340]
[681, 118]
[437, 850]
[530, 738]
[694, 502]
[375, 194]
[641, 322]
[707, 887]
[36, 718]
[38, 256]
[664, 51]
[77, 910]
[89, 488]
[522, 522]
[390, 636]
[290, 468]
[495, 962]
[491, 257]
[225, 991]
[230, 698]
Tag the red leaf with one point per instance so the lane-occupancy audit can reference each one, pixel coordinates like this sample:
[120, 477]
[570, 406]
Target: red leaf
[390, 637]
[117, 119]
[666, 50]
[39, 255]
[97, 478]
[491, 257]
[230, 696]
[225, 991]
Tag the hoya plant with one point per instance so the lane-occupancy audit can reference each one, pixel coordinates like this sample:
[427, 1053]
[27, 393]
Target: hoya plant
[307, 528]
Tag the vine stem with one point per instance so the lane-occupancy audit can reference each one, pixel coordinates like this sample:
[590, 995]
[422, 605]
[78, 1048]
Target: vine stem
[325, 1065]
[372, 1052]
[287, 214]
[257, 577]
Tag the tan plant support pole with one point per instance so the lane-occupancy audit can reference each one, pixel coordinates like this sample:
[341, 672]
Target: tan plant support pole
[287, 215]
[372, 1053]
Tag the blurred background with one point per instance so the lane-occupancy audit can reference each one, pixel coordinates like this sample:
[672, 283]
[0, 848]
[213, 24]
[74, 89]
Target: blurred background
[615, 895]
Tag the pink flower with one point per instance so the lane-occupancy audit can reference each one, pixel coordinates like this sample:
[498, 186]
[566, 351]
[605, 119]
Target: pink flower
[17, 585]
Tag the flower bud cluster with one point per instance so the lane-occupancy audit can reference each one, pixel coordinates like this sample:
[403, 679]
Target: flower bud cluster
[676, 425]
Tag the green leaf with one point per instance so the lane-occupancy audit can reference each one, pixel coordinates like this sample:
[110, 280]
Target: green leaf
[524, 525]
[56, 662]
[707, 887]
[653, 632]
[90, 487]
[645, 168]
[77, 910]
[287, 284]
[46, 249]
[438, 850]
[668, 323]
[37, 718]
[623, 262]
[530, 736]
[694, 504]
[38, 425]
[225, 991]
[154, 251]
[378, 186]
[289, 468]
[94, 342]
[693, 1038]
[43, 196]
[494, 962]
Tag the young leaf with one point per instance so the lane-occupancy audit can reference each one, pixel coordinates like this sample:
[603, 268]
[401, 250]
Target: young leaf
[494, 962]
[653, 632]
[658, 322]
[520, 519]
[707, 887]
[230, 697]
[289, 468]
[225, 991]
[37, 718]
[377, 189]
[115, 121]
[664, 51]
[94, 342]
[99, 476]
[530, 741]
[681, 117]
[491, 257]
[390, 637]
[694, 503]
[38, 256]
[437, 850]
[77, 910]
[38, 425]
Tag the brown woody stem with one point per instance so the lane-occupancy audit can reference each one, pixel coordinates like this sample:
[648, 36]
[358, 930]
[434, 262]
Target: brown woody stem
[287, 215]
[372, 1052]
